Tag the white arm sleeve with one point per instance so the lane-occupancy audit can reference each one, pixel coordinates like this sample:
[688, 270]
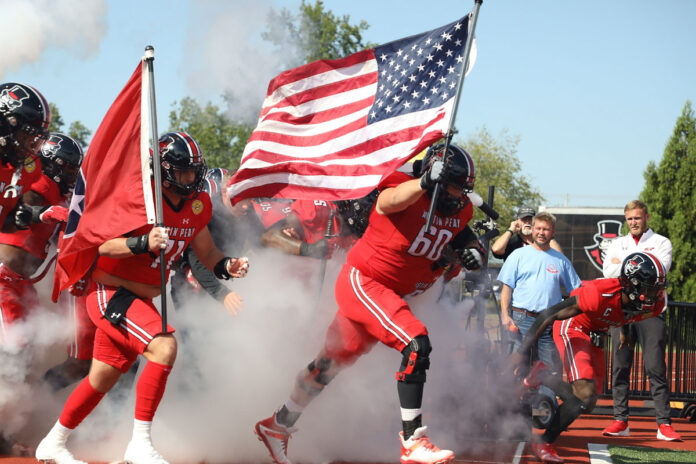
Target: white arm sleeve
[610, 269]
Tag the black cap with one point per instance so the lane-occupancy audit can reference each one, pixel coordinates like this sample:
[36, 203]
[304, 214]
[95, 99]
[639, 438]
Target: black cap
[525, 211]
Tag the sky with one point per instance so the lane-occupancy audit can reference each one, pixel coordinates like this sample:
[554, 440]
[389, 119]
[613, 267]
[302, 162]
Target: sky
[592, 90]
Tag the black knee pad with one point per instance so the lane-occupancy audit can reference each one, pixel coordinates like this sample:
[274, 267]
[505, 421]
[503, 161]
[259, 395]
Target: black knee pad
[415, 360]
[317, 371]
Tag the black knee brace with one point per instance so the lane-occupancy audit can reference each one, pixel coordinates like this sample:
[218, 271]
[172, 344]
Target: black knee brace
[317, 374]
[415, 360]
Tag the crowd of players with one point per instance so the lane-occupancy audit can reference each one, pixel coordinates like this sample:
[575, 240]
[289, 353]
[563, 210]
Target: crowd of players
[391, 257]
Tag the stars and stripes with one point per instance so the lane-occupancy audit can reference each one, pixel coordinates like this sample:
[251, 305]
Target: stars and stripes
[332, 129]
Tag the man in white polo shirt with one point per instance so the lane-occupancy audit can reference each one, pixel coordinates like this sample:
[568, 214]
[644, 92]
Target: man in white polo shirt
[649, 332]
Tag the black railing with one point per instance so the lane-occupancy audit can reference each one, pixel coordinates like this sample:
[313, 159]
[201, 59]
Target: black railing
[680, 353]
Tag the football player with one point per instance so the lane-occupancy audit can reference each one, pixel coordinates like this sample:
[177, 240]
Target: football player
[394, 258]
[579, 324]
[125, 280]
[24, 119]
[24, 244]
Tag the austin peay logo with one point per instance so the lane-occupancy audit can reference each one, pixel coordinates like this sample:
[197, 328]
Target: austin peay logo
[633, 265]
[607, 231]
[50, 147]
[12, 98]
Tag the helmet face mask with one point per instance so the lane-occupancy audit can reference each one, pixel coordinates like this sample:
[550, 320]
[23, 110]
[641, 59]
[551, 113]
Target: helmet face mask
[24, 119]
[182, 163]
[460, 176]
[61, 157]
[644, 281]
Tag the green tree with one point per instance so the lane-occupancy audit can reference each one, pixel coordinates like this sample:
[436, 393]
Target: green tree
[670, 193]
[497, 164]
[57, 122]
[317, 33]
[79, 132]
[221, 140]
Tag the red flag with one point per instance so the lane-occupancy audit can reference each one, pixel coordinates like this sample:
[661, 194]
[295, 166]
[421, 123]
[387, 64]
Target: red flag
[333, 129]
[113, 193]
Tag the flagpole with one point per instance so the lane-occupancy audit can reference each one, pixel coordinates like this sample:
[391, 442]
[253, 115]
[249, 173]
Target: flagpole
[457, 95]
[156, 168]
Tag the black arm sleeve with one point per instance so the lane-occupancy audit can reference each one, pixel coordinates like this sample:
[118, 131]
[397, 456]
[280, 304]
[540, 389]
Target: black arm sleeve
[463, 238]
[205, 277]
[542, 321]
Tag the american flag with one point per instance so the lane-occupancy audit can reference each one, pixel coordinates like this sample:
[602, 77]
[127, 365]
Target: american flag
[332, 129]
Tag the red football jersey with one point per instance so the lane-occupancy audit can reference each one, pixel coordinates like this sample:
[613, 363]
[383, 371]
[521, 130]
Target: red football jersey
[182, 225]
[25, 176]
[314, 217]
[395, 250]
[600, 302]
[271, 211]
[34, 240]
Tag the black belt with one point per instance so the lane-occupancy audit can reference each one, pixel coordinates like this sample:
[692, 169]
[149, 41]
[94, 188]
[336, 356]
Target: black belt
[525, 312]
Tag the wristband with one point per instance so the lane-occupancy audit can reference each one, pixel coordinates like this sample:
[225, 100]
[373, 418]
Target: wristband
[220, 269]
[511, 231]
[304, 249]
[138, 245]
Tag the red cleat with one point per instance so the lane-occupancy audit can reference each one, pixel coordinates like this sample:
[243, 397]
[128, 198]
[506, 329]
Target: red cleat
[546, 452]
[667, 433]
[618, 428]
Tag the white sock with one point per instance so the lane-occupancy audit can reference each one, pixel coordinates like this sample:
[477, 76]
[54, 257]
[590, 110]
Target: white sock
[141, 430]
[60, 432]
[293, 407]
[410, 414]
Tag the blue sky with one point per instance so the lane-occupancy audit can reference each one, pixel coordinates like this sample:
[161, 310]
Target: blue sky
[592, 89]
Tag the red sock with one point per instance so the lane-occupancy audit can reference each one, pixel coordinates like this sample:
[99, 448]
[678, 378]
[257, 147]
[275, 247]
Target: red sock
[150, 389]
[79, 404]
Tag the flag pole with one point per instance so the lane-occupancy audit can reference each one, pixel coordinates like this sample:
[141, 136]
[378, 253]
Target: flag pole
[156, 168]
[450, 131]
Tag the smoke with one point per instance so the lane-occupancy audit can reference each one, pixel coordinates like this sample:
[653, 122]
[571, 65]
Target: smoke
[234, 371]
[30, 27]
[229, 58]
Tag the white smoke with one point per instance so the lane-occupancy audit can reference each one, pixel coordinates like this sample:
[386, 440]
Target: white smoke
[234, 371]
[30, 27]
[227, 56]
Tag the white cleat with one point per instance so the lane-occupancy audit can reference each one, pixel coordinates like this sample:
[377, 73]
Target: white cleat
[142, 452]
[54, 452]
[418, 449]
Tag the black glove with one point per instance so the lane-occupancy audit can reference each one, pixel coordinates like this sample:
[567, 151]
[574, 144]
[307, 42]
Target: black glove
[432, 176]
[23, 216]
[471, 259]
[315, 250]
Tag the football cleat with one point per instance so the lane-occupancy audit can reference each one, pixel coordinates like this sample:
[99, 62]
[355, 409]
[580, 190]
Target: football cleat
[275, 437]
[418, 449]
[142, 452]
[667, 433]
[618, 428]
[54, 452]
[546, 452]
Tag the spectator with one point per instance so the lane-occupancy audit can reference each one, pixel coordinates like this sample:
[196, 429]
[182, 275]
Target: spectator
[650, 333]
[518, 235]
[532, 278]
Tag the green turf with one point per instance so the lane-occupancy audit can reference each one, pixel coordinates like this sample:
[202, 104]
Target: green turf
[635, 455]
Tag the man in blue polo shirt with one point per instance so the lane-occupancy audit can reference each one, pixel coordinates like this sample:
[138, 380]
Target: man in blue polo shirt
[532, 278]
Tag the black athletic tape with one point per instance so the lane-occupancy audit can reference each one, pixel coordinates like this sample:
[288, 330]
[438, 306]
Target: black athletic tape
[138, 245]
[220, 269]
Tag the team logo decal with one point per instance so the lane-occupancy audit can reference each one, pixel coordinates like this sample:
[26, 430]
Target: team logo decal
[197, 206]
[29, 165]
[607, 231]
[12, 98]
[51, 146]
[633, 265]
